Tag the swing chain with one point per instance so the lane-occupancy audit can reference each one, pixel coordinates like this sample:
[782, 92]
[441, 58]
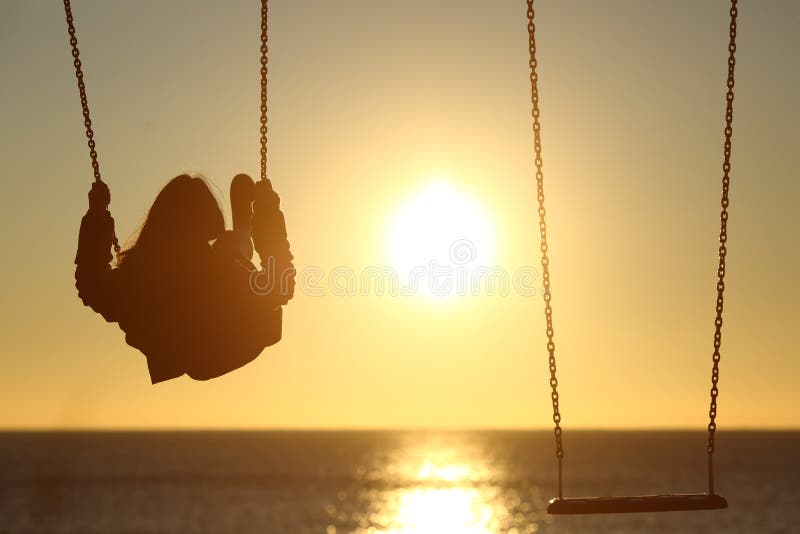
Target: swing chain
[723, 249]
[87, 121]
[548, 310]
[264, 50]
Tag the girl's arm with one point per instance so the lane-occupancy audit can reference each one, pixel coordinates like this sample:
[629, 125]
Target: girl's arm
[276, 279]
[94, 277]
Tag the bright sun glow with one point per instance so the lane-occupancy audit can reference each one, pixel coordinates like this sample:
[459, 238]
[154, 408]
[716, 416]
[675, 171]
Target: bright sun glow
[440, 228]
[445, 501]
[442, 510]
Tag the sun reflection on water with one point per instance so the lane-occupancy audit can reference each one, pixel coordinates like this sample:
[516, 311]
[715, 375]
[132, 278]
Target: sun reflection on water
[447, 472]
[437, 510]
[433, 488]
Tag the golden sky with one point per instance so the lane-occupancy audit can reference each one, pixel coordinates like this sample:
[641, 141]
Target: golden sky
[371, 105]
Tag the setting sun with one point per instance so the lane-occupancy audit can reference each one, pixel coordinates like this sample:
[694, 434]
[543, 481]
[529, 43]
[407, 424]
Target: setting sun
[440, 227]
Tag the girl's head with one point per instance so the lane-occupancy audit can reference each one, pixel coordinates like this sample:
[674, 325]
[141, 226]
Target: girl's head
[185, 214]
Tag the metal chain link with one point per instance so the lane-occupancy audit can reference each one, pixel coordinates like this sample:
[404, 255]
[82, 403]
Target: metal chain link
[723, 248]
[548, 310]
[264, 60]
[87, 121]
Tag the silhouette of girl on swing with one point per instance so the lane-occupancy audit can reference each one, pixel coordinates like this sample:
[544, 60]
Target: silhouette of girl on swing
[191, 307]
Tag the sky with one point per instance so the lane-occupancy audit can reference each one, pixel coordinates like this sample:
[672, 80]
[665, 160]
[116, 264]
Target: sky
[391, 122]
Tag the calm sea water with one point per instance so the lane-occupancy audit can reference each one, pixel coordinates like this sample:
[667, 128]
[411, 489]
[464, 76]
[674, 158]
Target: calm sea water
[383, 482]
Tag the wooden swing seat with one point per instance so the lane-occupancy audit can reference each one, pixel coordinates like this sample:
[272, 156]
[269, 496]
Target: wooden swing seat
[636, 504]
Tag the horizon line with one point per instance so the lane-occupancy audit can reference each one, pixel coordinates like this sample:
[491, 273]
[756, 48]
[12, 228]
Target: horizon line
[365, 429]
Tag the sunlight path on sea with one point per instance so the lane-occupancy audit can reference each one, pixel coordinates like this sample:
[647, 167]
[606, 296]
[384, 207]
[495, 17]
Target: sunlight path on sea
[432, 487]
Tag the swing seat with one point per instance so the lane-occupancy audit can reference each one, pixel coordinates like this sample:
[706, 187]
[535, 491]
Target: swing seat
[636, 504]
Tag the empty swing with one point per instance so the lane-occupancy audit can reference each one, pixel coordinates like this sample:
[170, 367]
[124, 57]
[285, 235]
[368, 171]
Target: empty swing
[709, 500]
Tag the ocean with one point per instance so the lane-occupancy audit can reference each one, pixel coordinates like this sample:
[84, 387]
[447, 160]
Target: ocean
[384, 482]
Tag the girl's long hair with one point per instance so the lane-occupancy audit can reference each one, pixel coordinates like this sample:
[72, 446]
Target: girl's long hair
[184, 214]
